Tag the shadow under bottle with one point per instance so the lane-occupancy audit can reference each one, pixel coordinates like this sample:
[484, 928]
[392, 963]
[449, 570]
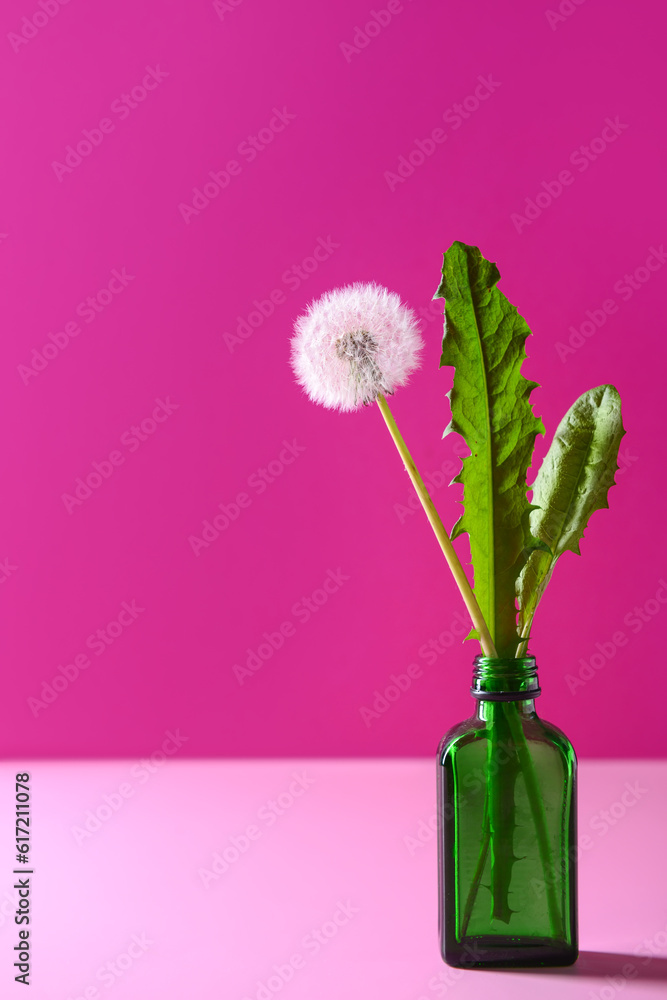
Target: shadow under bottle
[507, 837]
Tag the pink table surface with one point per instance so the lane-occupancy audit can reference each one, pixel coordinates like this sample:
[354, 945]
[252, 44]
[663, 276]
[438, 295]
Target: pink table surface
[324, 884]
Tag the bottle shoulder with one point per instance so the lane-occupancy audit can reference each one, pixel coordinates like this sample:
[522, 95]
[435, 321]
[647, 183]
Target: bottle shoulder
[462, 733]
[558, 738]
[535, 729]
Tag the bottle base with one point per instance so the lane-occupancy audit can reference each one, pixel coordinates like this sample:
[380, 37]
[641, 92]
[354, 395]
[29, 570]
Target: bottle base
[506, 952]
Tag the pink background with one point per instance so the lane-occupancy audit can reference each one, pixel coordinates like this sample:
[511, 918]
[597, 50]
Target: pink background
[322, 177]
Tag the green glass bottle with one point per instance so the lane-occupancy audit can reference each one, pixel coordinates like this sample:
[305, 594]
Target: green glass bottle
[507, 838]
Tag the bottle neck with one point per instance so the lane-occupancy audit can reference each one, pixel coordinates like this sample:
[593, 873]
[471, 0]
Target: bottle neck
[498, 680]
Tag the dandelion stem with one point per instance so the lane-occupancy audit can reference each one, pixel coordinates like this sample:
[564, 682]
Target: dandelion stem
[455, 566]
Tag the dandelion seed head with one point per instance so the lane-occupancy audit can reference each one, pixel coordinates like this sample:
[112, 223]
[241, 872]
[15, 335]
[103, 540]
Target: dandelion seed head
[354, 343]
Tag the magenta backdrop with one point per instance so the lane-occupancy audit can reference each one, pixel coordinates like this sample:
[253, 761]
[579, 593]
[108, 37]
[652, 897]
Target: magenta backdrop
[146, 351]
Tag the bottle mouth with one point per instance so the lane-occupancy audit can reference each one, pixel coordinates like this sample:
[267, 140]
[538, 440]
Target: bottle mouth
[520, 663]
[505, 678]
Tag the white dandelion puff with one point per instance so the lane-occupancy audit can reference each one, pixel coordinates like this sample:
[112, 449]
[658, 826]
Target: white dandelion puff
[355, 344]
